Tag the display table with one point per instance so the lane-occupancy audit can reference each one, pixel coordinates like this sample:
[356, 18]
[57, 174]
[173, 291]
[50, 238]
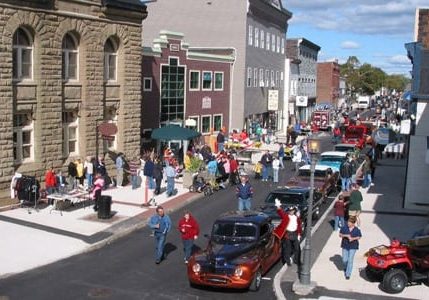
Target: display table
[60, 202]
[397, 149]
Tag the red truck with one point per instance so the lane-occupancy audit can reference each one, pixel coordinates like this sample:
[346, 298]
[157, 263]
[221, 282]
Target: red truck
[321, 120]
[356, 135]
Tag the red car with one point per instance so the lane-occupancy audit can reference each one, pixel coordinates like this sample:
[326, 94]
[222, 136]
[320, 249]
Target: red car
[355, 135]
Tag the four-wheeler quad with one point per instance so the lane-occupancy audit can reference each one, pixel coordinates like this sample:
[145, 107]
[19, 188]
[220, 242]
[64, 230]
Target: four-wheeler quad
[399, 264]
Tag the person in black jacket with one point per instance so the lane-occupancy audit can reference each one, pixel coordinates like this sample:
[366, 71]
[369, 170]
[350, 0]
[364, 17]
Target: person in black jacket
[157, 175]
[72, 173]
[346, 173]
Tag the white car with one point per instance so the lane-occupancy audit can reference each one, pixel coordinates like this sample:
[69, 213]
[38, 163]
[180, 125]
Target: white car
[347, 148]
[332, 159]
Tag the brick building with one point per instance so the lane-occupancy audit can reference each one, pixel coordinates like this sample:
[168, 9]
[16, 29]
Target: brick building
[65, 67]
[328, 82]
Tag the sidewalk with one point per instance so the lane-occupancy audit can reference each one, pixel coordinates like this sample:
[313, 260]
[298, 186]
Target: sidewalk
[382, 218]
[33, 238]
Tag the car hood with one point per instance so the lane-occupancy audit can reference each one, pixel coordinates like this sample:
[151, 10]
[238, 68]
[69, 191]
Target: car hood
[334, 165]
[304, 181]
[230, 251]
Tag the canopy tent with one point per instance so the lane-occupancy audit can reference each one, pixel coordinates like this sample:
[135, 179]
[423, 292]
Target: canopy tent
[173, 132]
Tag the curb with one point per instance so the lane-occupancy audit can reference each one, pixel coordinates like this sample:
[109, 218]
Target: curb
[277, 279]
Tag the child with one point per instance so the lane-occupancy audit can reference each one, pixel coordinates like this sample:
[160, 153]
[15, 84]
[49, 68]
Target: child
[258, 170]
[339, 212]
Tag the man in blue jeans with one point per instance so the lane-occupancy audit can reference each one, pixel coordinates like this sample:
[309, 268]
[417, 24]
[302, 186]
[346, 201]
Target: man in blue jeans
[244, 193]
[350, 235]
[171, 174]
[161, 224]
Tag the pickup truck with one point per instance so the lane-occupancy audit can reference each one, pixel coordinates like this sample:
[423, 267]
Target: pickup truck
[356, 135]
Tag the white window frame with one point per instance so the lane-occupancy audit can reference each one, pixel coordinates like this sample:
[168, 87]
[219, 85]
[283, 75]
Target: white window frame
[20, 49]
[277, 79]
[261, 77]
[114, 145]
[256, 37]
[190, 78]
[221, 122]
[249, 77]
[214, 77]
[281, 76]
[262, 39]
[283, 46]
[272, 79]
[66, 137]
[144, 84]
[197, 121]
[211, 82]
[19, 130]
[250, 41]
[267, 78]
[66, 55]
[107, 56]
[255, 77]
[268, 41]
[273, 43]
[278, 44]
[210, 124]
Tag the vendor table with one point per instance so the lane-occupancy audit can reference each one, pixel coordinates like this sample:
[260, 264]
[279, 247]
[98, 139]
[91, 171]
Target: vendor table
[74, 196]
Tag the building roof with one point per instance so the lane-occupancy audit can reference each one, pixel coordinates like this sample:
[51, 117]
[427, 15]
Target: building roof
[125, 4]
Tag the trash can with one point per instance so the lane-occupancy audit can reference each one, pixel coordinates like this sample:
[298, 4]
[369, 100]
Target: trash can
[104, 206]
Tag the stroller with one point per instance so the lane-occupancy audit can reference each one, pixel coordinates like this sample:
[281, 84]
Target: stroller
[200, 185]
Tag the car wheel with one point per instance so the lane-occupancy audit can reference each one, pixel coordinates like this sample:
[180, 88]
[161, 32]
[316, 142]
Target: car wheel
[394, 281]
[256, 282]
[316, 213]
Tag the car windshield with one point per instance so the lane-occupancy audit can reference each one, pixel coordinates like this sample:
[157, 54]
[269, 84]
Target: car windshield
[344, 149]
[327, 158]
[236, 231]
[285, 198]
[307, 173]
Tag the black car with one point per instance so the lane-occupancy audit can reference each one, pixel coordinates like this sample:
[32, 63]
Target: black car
[288, 197]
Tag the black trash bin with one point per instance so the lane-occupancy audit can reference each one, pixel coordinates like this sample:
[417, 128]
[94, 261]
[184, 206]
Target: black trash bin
[104, 207]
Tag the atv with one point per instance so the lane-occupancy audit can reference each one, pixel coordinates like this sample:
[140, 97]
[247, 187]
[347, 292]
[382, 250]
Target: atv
[399, 264]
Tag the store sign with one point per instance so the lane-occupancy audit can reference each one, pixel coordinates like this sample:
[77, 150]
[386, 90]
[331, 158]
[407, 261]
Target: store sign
[206, 103]
[405, 127]
[273, 100]
[302, 101]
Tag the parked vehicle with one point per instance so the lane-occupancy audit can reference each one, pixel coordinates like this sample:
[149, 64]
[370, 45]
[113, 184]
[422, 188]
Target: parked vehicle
[332, 159]
[364, 102]
[241, 248]
[321, 120]
[399, 264]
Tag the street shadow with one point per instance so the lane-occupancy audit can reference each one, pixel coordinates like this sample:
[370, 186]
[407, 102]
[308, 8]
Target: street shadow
[169, 248]
[337, 261]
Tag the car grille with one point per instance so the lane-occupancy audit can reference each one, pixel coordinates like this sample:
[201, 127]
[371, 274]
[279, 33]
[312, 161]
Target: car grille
[221, 270]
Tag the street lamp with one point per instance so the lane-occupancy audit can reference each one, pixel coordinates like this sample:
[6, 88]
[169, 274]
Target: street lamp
[305, 286]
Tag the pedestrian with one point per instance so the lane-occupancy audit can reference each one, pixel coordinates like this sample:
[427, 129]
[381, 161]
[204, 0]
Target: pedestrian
[292, 238]
[189, 230]
[346, 174]
[161, 225]
[157, 175]
[72, 171]
[96, 190]
[339, 212]
[244, 193]
[233, 170]
[350, 235]
[50, 181]
[367, 169]
[119, 164]
[276, 167]
[80, 174]
[336, 135]
[297, 158]
[134, 167]
[267, 165]
[258, 170]
[220, 140]
[355, 203]
[89, 171]
[281, 155]
[171, 174]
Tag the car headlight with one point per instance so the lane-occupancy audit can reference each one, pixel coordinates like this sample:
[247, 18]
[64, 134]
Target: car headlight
[238, 272]
[196, 268]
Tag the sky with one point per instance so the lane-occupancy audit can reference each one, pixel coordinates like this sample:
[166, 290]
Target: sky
[374, 31]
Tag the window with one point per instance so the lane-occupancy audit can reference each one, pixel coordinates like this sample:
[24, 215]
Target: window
[277, 79]
[218, 81]
[249, 77]
[278, 44]
[267, 78]
[272, 78]
[255, 77]
[261, 77]
[268, 41]
[262, 39]
[70, 58]
[194, 80]
[281, 76]
[70, 133]
[23, 137]
[110, 60]
[147, 84]
[217, 122]
[273, 43]
[207, 80]
[250, 35]
[256, 37]
[283, 46]
[172, 91]
[205, 124]
[111, 116]
[197, 123]
[22, 55]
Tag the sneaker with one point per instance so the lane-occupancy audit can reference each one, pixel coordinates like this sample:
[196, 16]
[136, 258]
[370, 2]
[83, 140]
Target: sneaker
[347, 277]
[157, 261]
[186, 261]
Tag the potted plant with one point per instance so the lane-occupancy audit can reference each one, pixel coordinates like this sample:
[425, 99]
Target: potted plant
[194, 166]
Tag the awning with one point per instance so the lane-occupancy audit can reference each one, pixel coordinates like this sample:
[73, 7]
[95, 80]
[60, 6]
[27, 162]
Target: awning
[173, 132]
[407, 96]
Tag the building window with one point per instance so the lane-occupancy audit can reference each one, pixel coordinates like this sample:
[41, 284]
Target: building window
[22, 55]
[255, 77]
[278, 44]
[283, 46]
[70, 58]
[172, 92]
[281, 76]
[217, 122]
[256, 37]
[207, 81]
[273, 43]
[110, 60]
[194, 80]
[23, 137]
[261, 77]
[197, 123]
[268, 41]
[262, 39]
[70, 132]
[267, 78]
[277, 79]
[249, 77]
[218, 81]
[272, 78]
[250, 35]
[111, 116]
[147, 84]
[206, 124]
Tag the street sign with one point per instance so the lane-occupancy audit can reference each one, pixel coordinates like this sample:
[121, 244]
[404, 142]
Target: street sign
[108, 137]
[107, 128]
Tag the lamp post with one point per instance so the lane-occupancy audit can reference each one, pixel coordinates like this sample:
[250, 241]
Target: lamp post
[305, 286]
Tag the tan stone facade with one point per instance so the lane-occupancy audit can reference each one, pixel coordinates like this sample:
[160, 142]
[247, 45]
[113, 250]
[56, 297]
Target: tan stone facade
[37, 101]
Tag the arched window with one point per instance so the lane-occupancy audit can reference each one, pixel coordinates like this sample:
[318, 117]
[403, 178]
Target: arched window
[110, 60]
[22, 55]
[70, 58]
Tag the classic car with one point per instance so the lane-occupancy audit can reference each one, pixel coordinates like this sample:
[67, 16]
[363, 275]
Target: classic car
[348, 148]
[356, 135]
[332, 159]
[240, 250]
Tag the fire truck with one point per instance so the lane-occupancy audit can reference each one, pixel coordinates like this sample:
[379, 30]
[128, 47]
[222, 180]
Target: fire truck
[321, 118]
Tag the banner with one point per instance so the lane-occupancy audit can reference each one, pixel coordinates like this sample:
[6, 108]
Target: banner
[273, 100]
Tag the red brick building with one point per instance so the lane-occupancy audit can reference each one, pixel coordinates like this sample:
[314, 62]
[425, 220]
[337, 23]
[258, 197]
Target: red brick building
[328, 82]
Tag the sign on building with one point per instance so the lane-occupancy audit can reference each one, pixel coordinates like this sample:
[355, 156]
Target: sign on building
[302, 101]
[206, 103]
[273, 100]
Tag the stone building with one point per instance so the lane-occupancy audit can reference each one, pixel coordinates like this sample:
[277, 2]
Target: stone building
[67, 66]
[328, 82]
[256, 29]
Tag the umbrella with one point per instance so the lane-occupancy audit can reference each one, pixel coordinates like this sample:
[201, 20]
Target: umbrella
[173, 132]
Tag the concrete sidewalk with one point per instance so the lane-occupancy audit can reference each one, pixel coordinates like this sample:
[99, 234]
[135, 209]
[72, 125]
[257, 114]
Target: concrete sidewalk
[32, 238]
[382, 218]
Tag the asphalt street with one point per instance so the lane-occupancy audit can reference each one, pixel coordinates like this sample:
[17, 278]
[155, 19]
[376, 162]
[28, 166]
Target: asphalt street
[125, 269]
